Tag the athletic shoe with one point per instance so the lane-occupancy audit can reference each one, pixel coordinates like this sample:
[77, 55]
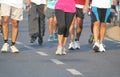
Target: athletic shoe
[77, 45]
[51, 38]
[14, 49]
[64, 51]
[96, 47]
[5, 47]
[32, 40]
[90, 40]
[71, 46]
[59, 51]
[101, 48]
[55, 36]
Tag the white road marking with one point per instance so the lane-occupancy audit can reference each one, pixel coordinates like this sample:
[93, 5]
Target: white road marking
[74, 72]
[56, 61]
[17, 42]
[28, 47]
[111, 40]
[42, 53]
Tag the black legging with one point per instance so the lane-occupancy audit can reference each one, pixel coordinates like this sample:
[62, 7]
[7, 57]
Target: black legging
[64, 20]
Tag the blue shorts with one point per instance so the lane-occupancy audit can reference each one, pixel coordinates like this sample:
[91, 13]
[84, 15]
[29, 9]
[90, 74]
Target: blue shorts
[100, 14]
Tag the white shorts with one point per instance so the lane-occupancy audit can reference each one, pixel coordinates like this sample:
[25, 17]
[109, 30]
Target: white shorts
[13, 12]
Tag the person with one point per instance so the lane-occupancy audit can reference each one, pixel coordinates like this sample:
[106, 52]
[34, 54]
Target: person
[36, 20]
[52, 23]
[13, 9]
[0, 20]
[81, 10]
[65, 11]
[111, 18]
[99, 16]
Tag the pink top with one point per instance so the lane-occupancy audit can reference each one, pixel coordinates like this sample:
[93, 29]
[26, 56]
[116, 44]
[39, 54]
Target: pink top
[66, 5]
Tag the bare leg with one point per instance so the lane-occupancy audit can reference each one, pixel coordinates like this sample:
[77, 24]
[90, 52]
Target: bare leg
[5, 22]
[14, 30]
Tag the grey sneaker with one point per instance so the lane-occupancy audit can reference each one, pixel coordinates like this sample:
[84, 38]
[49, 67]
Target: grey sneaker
[64, 51]
[59, 51]
[77, 45]
[14, 49]
[5, 47]
[71, 46]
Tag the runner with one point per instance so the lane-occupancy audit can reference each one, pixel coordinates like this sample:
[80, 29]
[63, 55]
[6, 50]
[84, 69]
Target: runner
[65, 11]
[100, 14]
[81, 10]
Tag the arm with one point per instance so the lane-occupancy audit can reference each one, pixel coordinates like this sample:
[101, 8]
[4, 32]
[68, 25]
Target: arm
[114, 2]
[85, 8]
[29, 3]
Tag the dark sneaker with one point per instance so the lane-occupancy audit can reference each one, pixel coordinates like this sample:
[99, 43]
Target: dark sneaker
[32, 40]
[40, 41]
[90, 40]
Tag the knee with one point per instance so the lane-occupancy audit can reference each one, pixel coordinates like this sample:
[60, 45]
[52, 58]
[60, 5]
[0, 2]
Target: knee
[15, 24]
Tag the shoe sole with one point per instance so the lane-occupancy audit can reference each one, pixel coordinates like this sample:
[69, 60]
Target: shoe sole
[4, 51]
[71, 48]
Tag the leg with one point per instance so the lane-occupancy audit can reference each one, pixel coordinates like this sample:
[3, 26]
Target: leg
[102, 32]
[33, 23]
[14, 35]
[5, 22]
[96, 31]
[79, 27]
[41, 23]
[72, 34]
[60, 16]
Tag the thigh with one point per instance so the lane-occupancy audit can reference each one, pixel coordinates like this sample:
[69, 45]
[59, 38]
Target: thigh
[104, 14]
[60, 16]
[79, 13]
[69, 18]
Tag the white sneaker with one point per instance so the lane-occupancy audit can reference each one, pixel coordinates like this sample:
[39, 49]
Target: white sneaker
[77, 45]
[64, 51]
[96, 47]
[71, 46]
[5, 47]
[14, 49]
[59, 51]
[101, 48]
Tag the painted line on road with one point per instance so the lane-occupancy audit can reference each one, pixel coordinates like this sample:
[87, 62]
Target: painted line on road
[20, 43]
[42, 53]
[74, 72]
[28, 47]
[17, 42]
[56, 61]
[111, 40]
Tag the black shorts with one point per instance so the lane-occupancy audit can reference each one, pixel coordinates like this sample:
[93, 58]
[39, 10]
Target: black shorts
[79, 13]
[100, 14]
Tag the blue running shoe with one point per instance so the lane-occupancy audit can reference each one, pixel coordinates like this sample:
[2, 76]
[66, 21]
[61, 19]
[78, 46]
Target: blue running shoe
[55, 36]
[51, 38]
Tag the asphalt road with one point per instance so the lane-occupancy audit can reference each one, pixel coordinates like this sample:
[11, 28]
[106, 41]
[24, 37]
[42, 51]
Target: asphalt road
[41, 61]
